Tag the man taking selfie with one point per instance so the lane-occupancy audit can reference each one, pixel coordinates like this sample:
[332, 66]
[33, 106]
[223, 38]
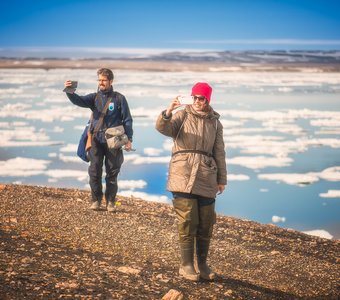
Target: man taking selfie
[109, 109]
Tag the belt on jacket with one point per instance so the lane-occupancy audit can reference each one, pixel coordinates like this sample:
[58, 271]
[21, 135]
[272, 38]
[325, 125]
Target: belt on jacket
[193, 151]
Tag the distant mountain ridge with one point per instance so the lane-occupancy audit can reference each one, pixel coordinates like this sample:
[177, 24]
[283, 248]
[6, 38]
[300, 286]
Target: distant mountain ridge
[272, 57]
[233, 57]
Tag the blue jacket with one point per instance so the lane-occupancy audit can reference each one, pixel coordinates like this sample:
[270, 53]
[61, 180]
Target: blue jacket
[113, 117]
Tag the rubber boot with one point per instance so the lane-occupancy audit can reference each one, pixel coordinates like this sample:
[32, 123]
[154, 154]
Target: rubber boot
[187, 216]
[207, 217]
[202, 249]
[187, 269]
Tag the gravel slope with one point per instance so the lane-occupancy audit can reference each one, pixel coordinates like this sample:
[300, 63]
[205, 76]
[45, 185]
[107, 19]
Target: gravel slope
[52, 246]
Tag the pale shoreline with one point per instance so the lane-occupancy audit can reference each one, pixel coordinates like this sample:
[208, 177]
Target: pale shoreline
[167, 66]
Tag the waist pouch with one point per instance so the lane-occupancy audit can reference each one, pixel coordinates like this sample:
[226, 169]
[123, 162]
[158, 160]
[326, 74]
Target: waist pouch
[116, 137]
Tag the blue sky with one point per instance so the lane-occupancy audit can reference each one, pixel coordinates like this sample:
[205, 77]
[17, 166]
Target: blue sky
[175, 24]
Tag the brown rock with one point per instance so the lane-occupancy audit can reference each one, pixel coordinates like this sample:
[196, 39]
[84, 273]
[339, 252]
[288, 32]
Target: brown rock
[173, 295]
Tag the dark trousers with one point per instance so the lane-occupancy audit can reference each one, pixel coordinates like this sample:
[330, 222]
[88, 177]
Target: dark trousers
[113, 161]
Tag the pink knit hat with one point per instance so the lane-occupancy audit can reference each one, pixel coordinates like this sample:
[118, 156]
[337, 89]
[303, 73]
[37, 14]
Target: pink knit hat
[202, 89]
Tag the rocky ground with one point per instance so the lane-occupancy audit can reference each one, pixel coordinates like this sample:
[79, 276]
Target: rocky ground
[53, 247]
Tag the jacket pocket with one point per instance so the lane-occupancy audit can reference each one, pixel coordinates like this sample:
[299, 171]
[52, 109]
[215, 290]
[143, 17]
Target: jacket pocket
[209, 165]
[179, 165]
[207, 174]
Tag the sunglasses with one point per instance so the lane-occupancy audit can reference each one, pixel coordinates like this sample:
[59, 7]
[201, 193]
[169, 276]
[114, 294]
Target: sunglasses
[199, 98]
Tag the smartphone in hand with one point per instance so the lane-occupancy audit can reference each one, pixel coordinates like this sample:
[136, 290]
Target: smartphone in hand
[74, 84]
[185, 100]
[72, 88]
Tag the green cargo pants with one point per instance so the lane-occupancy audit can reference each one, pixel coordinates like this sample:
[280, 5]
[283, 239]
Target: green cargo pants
[194, 220]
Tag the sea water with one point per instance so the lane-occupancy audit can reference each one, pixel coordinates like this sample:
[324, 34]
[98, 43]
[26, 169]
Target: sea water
[281, 131]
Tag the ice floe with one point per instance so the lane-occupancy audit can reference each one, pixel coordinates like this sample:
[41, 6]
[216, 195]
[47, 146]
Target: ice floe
[277, 219]
[132, 184]
[291, 178]
[238, 177]
[69, 158]
[144, 196]
[330, 194]
[152, 151]
[23, 167]
[61, 174]
[259, 162]
[25, 136]
[320, 233]
[303, 179]
[35, 113]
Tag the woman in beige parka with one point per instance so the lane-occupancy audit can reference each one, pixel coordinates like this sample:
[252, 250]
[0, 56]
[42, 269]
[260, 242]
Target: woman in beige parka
[197, 172]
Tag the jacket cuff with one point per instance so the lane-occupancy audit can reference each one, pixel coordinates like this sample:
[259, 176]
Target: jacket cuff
[164, 115]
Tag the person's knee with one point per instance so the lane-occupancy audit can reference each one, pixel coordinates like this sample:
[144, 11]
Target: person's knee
[187, 228]
[111, 175]
[186, 209]
[95, 174]
[207, 219]
[187, 216]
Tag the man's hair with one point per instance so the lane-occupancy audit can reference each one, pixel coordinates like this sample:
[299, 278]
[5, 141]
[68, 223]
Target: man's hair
[105, 72]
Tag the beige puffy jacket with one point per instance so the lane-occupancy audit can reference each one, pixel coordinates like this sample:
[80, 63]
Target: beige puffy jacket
[201, 165]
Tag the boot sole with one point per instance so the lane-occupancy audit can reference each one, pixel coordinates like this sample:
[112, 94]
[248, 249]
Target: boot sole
[188, 276]
[95, 206]
[209, 277]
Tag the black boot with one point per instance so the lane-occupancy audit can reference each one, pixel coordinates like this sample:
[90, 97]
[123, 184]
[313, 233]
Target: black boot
[202, 249]
[187, 269]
